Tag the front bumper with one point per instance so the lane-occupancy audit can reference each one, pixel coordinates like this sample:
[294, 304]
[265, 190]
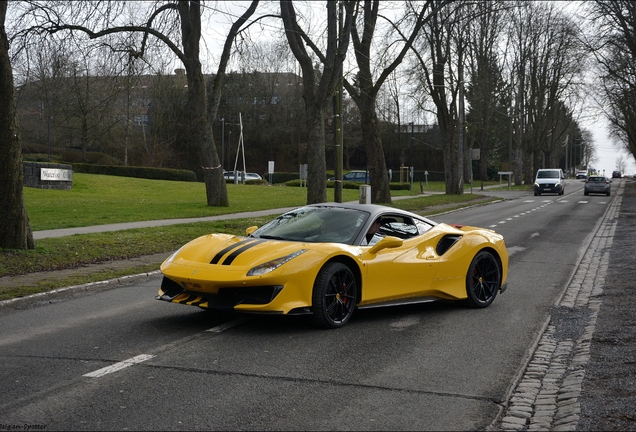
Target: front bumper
[548, 188]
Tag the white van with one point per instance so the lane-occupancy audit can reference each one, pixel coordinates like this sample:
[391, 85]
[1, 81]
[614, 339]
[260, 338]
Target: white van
[549, 180]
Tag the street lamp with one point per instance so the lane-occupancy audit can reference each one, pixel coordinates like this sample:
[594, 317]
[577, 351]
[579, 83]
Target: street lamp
[412, 162]
[223, 144]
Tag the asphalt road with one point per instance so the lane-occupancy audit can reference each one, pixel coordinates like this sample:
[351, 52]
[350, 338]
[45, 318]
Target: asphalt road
[438, 366]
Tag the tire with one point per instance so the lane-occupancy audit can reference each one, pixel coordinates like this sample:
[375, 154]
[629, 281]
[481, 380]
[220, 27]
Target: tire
[334, 296]
[483, 280]
[586, 193]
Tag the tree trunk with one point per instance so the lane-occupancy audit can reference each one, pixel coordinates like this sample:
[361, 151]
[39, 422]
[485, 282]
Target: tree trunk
[200, 131]
[201, 137]
[316, 159]
[380, 188]
[318, 88]
[15, 230]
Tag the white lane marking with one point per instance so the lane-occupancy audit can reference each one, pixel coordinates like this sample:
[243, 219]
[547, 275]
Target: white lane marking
[533, 235]
[583, 202]
[119, 366]
[227, 325]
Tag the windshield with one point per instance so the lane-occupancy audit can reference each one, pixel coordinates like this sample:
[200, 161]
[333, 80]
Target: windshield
[315, 224]
[548, 174]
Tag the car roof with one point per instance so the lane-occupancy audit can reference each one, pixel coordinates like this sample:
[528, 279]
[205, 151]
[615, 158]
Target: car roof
[373, 209]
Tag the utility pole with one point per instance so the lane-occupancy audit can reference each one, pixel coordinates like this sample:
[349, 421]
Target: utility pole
[223, 144]
[339, 141]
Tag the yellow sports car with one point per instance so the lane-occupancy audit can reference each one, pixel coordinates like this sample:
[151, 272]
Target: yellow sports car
[330, 259]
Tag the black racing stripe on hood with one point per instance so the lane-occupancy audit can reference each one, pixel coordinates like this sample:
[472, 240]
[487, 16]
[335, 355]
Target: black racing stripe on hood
[219, 255]
[239, 251]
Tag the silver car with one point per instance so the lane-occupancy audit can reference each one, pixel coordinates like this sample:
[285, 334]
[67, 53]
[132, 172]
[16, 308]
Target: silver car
[597, 184]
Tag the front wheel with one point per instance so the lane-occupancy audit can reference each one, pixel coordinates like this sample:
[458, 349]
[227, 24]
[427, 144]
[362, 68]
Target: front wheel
[483, 280]
[334, 295]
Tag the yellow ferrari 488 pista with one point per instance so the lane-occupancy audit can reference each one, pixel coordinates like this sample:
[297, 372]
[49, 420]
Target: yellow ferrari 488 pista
[331, 259]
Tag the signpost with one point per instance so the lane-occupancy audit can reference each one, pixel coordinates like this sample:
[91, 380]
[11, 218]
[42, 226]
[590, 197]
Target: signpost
[270, 170]
[303, 175]
[503, 173]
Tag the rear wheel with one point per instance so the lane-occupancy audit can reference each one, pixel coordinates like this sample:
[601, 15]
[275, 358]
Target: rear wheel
[334, 295]
[483, 280]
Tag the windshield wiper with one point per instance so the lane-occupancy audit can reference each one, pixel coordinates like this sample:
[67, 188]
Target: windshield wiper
[271, 237]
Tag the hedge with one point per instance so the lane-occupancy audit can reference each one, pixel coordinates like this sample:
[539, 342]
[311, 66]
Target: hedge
[138, 172]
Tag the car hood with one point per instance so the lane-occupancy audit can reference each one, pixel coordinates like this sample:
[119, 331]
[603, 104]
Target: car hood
[235, 251]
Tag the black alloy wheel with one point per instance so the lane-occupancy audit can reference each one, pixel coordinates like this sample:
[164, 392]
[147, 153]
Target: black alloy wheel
[483, 280]
[334, 295]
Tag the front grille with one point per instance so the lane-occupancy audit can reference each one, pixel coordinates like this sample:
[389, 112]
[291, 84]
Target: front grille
[225, 298]
[249, 295]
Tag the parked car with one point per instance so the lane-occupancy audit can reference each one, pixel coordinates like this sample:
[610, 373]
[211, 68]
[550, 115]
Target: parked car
[597, 185]
[328, 260]
[355, 176]
[617, 174]
[229, 175]
[549, 180]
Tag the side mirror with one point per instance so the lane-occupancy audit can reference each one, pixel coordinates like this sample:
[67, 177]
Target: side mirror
[250, 230]
[386, 242]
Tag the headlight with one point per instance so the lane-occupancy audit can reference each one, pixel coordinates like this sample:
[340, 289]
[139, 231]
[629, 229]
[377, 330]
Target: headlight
[272, 265]
[169, 260]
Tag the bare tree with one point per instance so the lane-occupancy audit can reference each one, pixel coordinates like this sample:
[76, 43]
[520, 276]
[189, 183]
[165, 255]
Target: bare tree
[365, 92]
[442, 77]
[614, 46]
[318, 86]
[15, 230]
[547, 64]
[487, 123]
[163, 22]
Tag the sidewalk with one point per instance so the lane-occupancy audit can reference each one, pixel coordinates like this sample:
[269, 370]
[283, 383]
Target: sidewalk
[156, 223]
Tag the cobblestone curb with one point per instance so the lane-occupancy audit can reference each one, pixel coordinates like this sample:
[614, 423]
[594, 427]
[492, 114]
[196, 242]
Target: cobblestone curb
[547, 395]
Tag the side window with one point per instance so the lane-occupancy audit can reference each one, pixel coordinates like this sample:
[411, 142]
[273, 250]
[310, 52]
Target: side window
[422, 226]
[398, 226]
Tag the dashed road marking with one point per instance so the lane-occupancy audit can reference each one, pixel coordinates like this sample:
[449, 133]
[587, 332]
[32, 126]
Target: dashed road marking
[227, 325]
[119, 366]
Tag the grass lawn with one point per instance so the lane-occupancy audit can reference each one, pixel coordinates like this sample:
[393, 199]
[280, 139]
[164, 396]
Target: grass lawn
[100, 199]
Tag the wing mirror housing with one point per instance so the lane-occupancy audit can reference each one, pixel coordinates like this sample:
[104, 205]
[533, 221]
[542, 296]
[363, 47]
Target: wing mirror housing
[250, 230]
[385, 243]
